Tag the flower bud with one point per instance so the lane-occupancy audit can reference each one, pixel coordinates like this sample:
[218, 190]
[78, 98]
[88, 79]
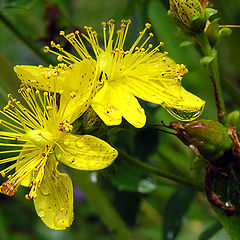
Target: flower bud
[189, 14]
[209, 138]
[233, 119]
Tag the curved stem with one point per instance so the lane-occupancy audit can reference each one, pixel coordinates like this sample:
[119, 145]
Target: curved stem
[102, 205]
[158, 172]
[208, 51]
[25, 39]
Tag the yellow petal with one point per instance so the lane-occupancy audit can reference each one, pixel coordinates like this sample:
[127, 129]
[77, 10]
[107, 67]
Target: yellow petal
[80, 88]
[54, 202]
[102, 105]
[78, 84]
[128, 105]
[172, 97]
[40, 77]
[23, 159]
[84, 152]
[157, 83]
[115, 100]
[26, 163]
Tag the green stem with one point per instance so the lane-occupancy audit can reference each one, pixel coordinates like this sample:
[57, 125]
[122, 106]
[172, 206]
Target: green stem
[102, 205]
[24, 39]
[158, 172]
[179, 167]
[214, 69]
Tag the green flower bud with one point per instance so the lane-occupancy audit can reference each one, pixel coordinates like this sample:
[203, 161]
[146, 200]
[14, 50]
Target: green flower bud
[189, 14]
[233, 119]
[207, 137]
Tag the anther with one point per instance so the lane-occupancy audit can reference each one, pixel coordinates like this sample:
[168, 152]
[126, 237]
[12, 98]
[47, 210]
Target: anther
[73, 94]
[148, 25]
[49, 107]
[27, 196]
[46, 49]
[53, 44]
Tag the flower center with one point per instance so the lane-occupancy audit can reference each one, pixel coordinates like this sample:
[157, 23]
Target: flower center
[40, 138]
[105, 61]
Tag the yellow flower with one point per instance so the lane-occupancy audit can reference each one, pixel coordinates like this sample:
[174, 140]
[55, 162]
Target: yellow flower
[142, 71]
[40, 136]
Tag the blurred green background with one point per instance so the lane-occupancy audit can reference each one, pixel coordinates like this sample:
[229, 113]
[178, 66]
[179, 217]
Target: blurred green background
[152, 207]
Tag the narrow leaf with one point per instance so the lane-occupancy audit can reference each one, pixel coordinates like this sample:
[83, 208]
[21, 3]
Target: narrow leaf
[210, 231]
[176, 209]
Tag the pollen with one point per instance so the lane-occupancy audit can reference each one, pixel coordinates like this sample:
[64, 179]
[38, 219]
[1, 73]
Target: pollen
[73, 94]
[60, 58]
[65, 126]
[49, 107]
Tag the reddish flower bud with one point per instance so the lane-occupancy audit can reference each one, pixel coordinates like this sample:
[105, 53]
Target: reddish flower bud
[209, 138]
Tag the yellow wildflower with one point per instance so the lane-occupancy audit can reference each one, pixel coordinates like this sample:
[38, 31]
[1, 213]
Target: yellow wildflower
[141, 71]
[40, 135]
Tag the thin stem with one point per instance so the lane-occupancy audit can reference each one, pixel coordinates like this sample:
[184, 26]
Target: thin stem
[24, 39]
[216, 95]
[214, 69]
[179, 167]
[102, 205]
[153, 170]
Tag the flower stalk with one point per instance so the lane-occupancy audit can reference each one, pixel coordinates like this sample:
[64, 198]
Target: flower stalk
[187, 182]
[211, 53]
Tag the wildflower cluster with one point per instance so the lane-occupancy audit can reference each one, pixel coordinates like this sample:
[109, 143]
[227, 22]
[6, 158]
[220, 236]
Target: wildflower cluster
[40, 133]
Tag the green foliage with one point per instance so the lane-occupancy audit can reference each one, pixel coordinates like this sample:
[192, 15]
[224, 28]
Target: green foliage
[210, 231]
[175, 211]
[151, 206]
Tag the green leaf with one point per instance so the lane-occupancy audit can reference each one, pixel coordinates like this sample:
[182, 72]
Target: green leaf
[146, 143]
[206, 60]
[124, 176]
[146, 186]
[176, 209]
[213, 31]
[223, 191]
[16, 7]
[198, 164]
[210, 231]
[209, 12]
[224, 32]
[230, 223]
[127, 204]
[186, 44]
